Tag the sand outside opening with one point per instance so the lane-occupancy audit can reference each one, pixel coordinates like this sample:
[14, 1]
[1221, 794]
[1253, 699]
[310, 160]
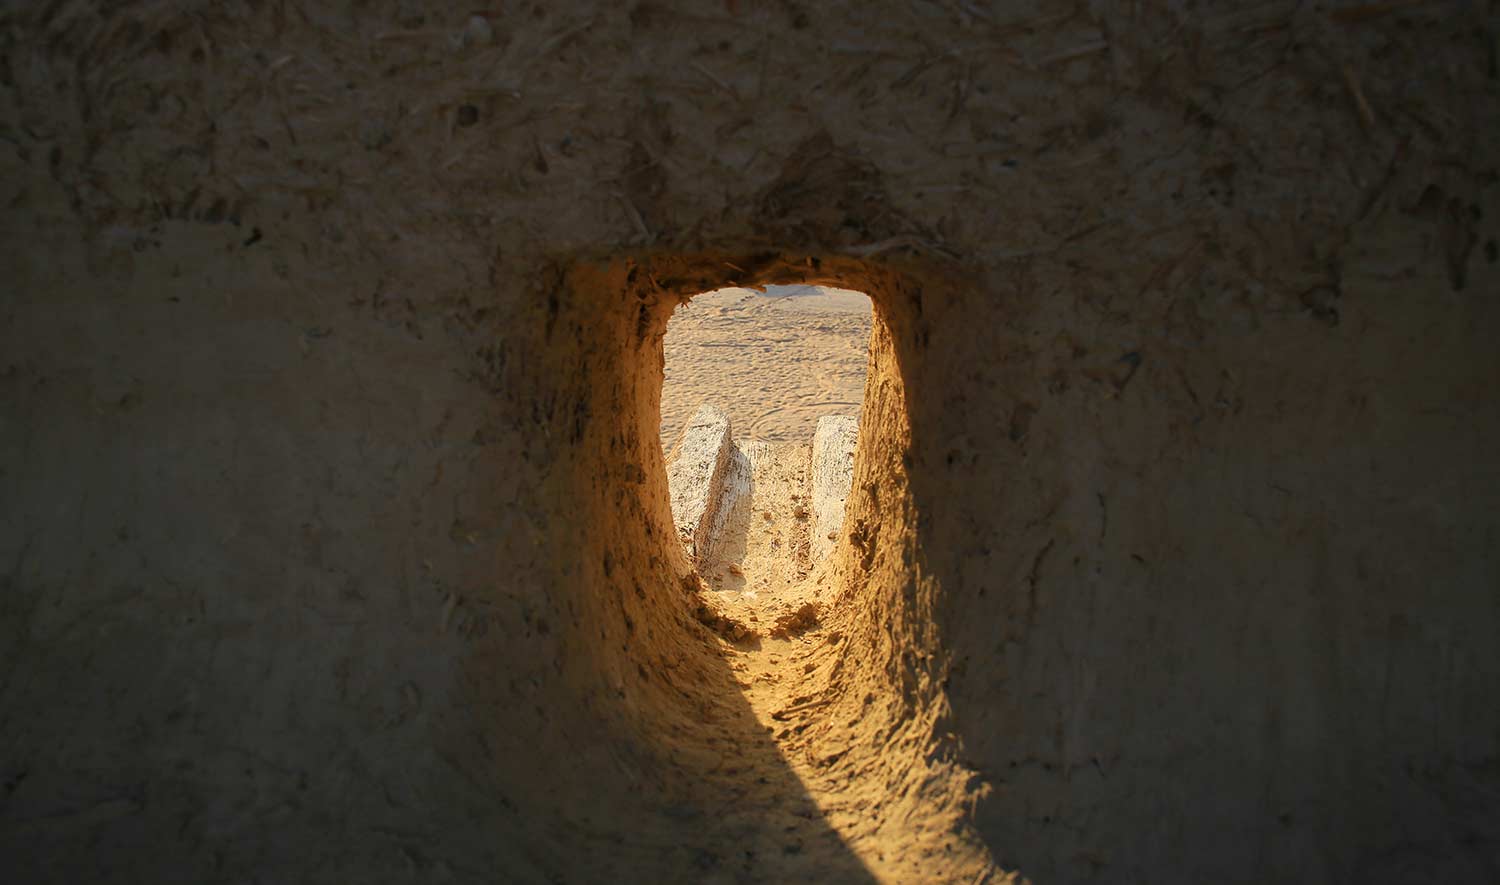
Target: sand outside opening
[776, 360]
[828, 720]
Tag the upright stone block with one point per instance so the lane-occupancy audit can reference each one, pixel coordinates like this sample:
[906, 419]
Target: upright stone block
[695, 476]
[832, 478]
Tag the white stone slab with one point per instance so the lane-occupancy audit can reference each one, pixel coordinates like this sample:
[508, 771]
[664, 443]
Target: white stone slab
[695, 476]
[832, 478]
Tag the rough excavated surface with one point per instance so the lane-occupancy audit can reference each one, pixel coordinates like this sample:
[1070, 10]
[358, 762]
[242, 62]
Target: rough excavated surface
[335, 542]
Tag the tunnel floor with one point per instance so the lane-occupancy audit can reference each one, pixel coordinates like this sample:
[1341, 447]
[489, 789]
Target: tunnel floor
[768, 589]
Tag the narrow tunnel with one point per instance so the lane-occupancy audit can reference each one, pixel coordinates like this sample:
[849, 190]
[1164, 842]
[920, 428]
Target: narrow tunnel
[828, 722]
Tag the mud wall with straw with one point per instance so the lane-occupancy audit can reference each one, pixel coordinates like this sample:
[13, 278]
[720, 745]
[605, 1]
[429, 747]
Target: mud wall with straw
[334, 543]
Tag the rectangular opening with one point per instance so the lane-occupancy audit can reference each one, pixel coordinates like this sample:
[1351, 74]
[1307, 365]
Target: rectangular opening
[759, 419]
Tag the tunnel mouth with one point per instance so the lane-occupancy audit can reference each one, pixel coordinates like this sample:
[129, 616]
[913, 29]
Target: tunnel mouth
[841, 703]
[760, 411]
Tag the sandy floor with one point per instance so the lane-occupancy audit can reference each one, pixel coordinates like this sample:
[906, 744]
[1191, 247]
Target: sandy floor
[757, 544]
[774, 361]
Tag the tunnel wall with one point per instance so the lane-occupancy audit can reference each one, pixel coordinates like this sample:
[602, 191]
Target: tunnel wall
[316, 318]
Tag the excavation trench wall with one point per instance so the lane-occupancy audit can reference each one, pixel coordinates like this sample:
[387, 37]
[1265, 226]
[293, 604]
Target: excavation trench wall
[334, 544]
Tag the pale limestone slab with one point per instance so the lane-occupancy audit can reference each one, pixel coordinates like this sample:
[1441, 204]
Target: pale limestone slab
[695, 476]
[832, 478]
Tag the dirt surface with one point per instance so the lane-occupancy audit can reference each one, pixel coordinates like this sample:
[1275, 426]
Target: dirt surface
[335, 538]
[776, 361]
[762, 544]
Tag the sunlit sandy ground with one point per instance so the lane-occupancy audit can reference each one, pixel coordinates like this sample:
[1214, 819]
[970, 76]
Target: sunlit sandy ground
[774, 361]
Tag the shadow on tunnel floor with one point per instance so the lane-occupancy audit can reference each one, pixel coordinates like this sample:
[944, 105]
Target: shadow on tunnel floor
[703, 794]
